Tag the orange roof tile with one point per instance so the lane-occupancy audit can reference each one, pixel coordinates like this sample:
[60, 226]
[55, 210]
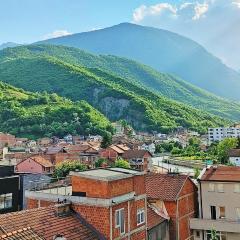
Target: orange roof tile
[42, 161]
[165, 187]
[21, 234]
[47, 224]
[222, 173]
[153, 219]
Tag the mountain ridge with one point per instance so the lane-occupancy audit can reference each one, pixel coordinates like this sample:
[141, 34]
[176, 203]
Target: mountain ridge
[164, 51]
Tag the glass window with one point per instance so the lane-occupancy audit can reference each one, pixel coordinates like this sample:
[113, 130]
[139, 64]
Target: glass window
[211, 187]
[238, 213]
[221, 212]
[237, 188]
[120, 220]
[5, 200]
[220, 187]
[140, 216]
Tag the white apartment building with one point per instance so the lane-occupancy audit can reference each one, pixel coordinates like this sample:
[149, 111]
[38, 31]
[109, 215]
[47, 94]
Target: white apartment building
[219, 204]
[218, 134]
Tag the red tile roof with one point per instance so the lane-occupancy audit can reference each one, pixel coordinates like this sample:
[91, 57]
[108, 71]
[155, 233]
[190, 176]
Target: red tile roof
[234, 153]
[165, 187]
[42, 161]
[47, 224]
[135, 154]
[21, 234]
[153, 219]
[222, 173]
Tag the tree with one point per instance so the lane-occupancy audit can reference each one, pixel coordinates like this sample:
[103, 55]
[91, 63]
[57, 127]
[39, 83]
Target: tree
[63, 169]
[223, 148]
[100, 162]
[107, 140]
[214, 234]
[121, 163]
[196, 172]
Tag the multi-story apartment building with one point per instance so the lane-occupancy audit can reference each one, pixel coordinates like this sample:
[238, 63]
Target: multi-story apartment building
[113, 201]
[219, 204]
[218, 134]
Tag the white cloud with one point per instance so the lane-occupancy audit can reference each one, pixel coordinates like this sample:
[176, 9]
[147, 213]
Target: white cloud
[212, 23]
[155, 10]
[200, 10]
[57, 33]
[237, 3]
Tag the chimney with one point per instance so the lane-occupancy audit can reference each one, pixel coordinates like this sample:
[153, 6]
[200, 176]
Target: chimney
[62, 209]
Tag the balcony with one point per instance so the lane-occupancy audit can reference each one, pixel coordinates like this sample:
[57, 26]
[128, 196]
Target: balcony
[222, 225]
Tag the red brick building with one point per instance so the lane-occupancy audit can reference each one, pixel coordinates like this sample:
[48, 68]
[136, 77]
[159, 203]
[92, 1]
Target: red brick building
[178, 194]
[7, 140]
[139, 159]
[112, 200]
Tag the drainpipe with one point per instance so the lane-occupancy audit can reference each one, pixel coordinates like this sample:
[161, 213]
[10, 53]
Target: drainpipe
[201, 209]
[177, 221]
[146, 217]
[111, 226]
[129, 221]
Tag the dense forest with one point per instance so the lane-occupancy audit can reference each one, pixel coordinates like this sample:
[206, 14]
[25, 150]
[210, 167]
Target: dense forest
[164, 84]
[36, 115]
[117, 98]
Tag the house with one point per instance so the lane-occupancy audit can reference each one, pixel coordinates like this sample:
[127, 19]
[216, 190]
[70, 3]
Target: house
[113, 152]
[177, 195]
[112, 200]
[56, 222]
[234, 157]
[9, 190]
[35, 164]
[148, 147]
[7, 140]
[219, 203]
[139, 159]
[157, 224]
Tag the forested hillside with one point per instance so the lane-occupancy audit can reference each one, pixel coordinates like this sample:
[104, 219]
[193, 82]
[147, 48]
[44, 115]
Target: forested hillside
[36, 115]
[163, 50]
[167, 85]
[115, 97]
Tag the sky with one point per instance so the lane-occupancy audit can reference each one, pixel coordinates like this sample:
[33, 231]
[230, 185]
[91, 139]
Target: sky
[213, 23]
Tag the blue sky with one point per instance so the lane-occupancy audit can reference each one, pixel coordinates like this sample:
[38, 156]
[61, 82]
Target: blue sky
[212, 23]
[25, 21]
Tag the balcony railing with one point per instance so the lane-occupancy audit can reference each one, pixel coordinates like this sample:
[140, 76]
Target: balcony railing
[223, 225]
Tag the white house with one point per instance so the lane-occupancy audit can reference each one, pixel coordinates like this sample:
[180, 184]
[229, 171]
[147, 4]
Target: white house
[234, 156]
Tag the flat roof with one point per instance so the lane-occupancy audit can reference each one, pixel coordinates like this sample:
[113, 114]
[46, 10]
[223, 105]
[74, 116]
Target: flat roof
[109, 174]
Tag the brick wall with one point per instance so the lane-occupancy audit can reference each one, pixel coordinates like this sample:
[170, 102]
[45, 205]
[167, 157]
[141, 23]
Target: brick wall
[187, 208]
[102, 189]
[99, 217]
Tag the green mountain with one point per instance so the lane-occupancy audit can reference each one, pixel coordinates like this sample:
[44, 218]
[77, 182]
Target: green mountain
[117, 98]
[40, 114]
[164, 51]
[8, 45]
[164, 84]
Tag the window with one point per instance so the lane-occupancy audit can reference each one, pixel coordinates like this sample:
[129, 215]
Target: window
[5, 201]
[220, 188]
[213, 212]
[237, 188]
[220, 235]
[221, 212]
[238, 213]
[198, 234]
[140, 216]
[119, 220]
[211, 187]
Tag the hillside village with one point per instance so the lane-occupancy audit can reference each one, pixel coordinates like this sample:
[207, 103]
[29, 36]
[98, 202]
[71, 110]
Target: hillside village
[113, 188]
[119, 120]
